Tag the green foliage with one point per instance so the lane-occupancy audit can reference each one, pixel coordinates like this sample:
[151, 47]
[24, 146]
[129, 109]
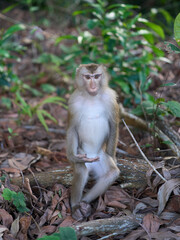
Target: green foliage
[158, 108]
[173, 107]
[26, 109]
[16, 198]
[121, 40]
[65, 233]
[11, 133]
[8, 48]
[177, 29]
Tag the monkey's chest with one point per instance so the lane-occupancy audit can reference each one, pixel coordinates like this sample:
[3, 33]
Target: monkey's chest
[93, 129]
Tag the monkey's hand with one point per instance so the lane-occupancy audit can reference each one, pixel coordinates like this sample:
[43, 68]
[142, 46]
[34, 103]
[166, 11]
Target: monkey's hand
[83, 158]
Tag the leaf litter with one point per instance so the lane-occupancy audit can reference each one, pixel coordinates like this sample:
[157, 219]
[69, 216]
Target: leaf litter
[34, 150]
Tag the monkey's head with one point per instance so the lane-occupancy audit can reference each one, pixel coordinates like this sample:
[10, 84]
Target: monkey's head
[91, 77]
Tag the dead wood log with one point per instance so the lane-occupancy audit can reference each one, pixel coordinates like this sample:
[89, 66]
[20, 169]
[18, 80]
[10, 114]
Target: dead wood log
[119, 225]
[163, 129]
[133, 175]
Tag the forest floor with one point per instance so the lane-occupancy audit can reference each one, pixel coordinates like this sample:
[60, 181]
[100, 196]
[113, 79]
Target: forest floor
[31, 150]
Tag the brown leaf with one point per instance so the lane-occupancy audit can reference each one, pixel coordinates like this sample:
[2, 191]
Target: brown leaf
[25, 222]
[115, 193]
[139, 207]
[165, 191]
[166, 173]
[167, 235]
[21, 161]
[101, 205]
[173, 204]
[45, 217]
[150, 201]
[68, 221]
[117, 204]
[151, 223]
[15, 227]
[55, 201]
[56, 215]
[150, 171]
[47, 230]
[6, 218]
[2, 230]
[135, 234]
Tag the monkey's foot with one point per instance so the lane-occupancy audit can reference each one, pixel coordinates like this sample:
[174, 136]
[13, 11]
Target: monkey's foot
[82, 212]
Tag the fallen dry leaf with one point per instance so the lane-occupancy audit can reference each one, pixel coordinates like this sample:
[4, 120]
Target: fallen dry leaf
[115, 193]
[101, 205]
[149, 174]
[21, 161]
[117, 204]
[165, 191]
[45, 217]
[167, 235]
[135, 234]
[2, 230]
[151, 223]
[15, 227]
[68, 221]
[6, 218]
[25, 222]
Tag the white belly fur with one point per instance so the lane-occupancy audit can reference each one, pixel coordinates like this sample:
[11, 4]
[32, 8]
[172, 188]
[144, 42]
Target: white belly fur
[93, 130]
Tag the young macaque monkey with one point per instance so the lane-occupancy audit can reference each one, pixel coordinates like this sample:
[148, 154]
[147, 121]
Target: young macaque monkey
[93, 126]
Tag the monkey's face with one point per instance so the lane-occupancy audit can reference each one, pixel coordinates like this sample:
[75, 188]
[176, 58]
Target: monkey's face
[92, 81]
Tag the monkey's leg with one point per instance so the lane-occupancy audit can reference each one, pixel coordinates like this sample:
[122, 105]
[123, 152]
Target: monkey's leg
[78, 184]
[101, 185]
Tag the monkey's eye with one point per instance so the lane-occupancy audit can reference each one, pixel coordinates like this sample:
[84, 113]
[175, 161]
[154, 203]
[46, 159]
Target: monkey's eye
[97, 76]
[87, 76]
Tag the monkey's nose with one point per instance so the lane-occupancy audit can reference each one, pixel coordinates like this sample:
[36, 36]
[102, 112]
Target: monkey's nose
[92, 85]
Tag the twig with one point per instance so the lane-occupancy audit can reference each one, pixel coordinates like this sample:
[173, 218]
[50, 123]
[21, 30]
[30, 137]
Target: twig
[143, 155]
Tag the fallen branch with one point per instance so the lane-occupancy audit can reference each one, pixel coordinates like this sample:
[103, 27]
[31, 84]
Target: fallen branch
[133, 175]
[121, 225]
[164, 131]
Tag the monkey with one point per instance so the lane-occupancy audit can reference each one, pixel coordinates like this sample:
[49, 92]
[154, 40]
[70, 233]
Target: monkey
[92, 134]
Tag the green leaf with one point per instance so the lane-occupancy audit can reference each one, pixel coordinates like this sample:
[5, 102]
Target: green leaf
[8, 194]
[6, 102]
[156, 28]
[56, 100]
[48, 58]
[54, 236]
[174, 107]
[9, 8]
[59, 39]
[41, 119]
[166, 15]
[13, 29]
[177, 29]
[48, 88]
[172, 47]
[67, 233]
[45, 113]
[19, 202]
[168, 85]
[92, 23]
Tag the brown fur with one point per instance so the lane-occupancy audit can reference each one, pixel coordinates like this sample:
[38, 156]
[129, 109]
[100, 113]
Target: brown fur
[92, 67]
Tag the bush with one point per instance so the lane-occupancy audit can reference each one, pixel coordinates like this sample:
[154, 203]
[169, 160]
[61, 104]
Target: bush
[120, 39]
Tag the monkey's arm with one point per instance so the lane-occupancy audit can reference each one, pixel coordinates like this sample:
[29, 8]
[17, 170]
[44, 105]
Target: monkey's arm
[73, 144]
[114, 131]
